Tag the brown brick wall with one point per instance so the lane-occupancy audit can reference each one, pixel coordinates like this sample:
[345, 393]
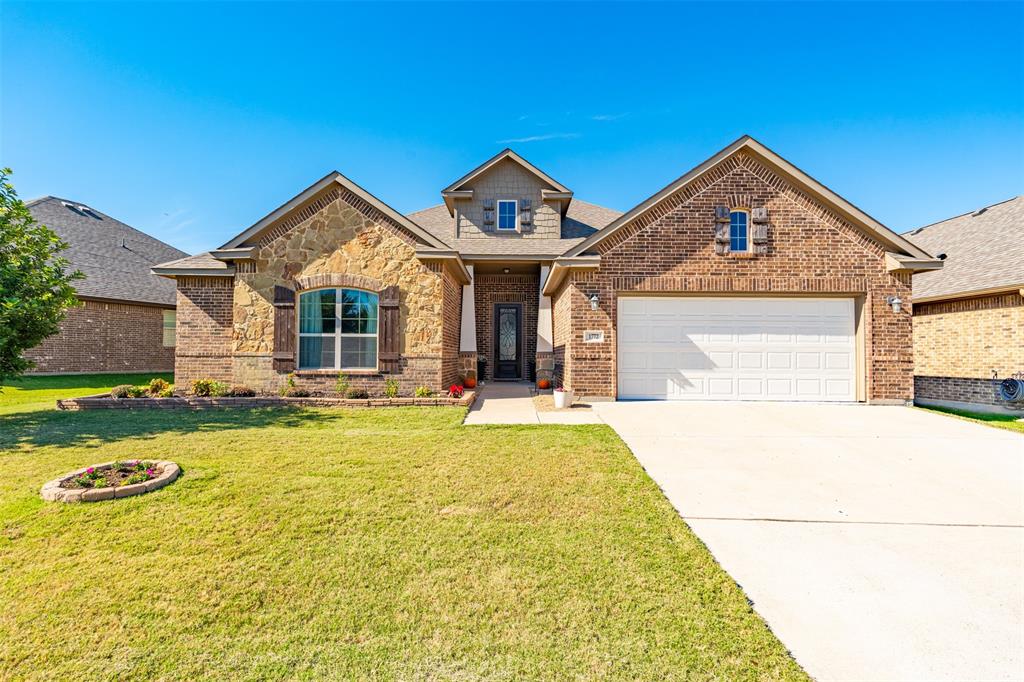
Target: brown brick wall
[492, 289]
[561, 332]
[961, 390]
[810, 250]
[105, 337]
[970, 338]
[451, 322]
[204, 330]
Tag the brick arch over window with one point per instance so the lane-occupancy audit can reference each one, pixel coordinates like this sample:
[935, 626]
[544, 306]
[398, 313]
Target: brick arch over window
[339, 280]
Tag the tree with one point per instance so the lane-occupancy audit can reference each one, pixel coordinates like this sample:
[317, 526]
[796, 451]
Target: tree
[35, 285]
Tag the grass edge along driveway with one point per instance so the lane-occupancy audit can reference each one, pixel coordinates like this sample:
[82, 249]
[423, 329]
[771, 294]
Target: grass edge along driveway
[371, 544]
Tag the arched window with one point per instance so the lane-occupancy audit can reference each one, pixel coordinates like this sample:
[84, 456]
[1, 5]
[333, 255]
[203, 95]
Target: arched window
[337, 329]
[738, 231]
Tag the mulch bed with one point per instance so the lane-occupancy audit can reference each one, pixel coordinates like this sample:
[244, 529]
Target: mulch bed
[115, 475]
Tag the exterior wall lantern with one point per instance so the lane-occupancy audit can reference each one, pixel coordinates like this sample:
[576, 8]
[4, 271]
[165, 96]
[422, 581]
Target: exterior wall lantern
[594, 300]
[896, 302]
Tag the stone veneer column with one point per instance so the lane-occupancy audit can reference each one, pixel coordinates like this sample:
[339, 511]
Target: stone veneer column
[545, 348]
[467, 332]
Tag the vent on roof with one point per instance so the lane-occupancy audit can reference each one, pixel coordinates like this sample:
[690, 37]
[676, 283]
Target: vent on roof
[940, 256]
[82, 210]
[979, 212]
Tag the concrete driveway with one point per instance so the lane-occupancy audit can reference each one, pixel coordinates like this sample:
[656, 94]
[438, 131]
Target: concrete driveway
[879, 543]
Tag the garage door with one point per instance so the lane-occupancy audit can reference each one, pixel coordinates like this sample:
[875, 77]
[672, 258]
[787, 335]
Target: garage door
[736, 349]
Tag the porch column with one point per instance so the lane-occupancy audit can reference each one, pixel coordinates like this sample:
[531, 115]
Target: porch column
[467, 330]
[545, 347]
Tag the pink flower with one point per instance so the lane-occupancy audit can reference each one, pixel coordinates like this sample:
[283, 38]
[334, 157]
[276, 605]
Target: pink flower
[90, 470]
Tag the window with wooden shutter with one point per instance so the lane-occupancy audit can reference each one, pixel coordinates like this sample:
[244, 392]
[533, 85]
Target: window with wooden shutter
[284, 329]
[721, 226]
[488, 215]
[759, 216]
[388, 338]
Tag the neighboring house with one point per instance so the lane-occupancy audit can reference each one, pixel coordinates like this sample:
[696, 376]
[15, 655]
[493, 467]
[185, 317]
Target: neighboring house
[969, 316]
[743, 279]
[126, 320]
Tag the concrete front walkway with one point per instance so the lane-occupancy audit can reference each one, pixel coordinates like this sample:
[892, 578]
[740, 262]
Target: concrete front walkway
[512, 403]
[879, 543]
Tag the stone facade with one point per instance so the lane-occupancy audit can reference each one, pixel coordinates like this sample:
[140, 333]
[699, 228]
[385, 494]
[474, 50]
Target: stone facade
[507, 180]
[493, 289]
[99, 337]
[671, 250]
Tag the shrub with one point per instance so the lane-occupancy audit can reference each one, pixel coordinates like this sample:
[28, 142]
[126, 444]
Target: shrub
[391, 387]
[358, 394]
[158, 386]
[120, 392]
[296, 392]
[208, 388]
[341, 386]
[241, 392]
[167, 392]
[137, 391]
[423, 392]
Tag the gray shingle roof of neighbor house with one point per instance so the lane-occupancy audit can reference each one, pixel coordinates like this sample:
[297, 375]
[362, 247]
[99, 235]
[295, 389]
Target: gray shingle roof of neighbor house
[581, 220]
[115, 258]
[984, 251]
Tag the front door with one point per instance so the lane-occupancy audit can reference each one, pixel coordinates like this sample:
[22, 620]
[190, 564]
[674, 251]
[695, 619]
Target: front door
[507, 332]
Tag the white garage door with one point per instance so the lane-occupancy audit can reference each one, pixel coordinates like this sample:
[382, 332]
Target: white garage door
[736, 349]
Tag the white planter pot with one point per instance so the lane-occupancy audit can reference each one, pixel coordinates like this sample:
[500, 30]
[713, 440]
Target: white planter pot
[563, 399]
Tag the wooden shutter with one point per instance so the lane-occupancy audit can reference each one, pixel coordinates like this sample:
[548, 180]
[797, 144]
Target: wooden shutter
[759, 230]
[488, 225]
[721, 226]
[284, 329]
[388, 331]
[525, 215]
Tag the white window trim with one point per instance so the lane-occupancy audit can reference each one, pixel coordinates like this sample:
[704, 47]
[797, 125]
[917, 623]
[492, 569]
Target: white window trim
[746, 212]
[338, 335]
[497, 214]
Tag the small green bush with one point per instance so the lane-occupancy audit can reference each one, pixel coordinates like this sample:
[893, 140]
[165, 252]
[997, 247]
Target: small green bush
[208, 388]
[341, 386]
[241, 391]
[391, 387]
[423, 392]
[120, 391]
[137, 391]
[296, 392]
[157, 386]
[167, 392]
[357, 394]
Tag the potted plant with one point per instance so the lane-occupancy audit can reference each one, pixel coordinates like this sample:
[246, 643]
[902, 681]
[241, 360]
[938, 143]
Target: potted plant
[563, 398]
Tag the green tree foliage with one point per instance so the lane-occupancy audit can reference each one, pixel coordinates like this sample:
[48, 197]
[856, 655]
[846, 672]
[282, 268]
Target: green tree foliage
[35, 285]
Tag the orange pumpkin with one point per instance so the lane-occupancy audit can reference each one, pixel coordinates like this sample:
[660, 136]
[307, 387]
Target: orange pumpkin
[469, 382]
[543, 384]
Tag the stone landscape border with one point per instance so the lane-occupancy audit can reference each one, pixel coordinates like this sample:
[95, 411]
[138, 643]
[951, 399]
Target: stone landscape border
[52, 492]
[103, 401]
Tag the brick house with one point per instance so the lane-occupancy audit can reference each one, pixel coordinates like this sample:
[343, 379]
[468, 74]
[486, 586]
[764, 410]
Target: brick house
[969, 316]
[743, 279]
[126, 320]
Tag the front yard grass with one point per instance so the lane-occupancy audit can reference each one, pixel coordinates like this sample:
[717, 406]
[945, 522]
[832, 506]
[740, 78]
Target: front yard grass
[373, 544]
[999, 421]
[43, 392]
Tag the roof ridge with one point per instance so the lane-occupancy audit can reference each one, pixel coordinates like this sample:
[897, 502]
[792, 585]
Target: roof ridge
[917, 230]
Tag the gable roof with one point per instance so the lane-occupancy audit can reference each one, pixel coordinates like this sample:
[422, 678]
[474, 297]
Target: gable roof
[114, 257]
[452, 190]
[582, 220]
[332, 178]
[984, 251]
[856, 216]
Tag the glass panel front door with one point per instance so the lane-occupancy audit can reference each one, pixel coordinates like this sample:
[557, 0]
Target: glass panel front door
[507, 333]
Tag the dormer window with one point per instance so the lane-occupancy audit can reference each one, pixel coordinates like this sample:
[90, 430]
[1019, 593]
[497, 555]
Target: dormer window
[508, 211]
[739, 234]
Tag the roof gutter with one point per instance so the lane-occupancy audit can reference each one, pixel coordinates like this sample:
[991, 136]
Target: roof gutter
[898, 262]
[446, 257]
[561, 267]
[991, 291]
[173, 273]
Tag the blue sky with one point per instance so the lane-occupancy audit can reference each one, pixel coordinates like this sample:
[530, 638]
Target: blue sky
[192, 121]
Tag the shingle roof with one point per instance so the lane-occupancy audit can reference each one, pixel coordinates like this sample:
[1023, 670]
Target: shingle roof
[200, 261]
[582, 220]
[114, 257]
[984, 250]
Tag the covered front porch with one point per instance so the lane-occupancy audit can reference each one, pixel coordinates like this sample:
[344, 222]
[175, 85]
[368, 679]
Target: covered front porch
[506, 325]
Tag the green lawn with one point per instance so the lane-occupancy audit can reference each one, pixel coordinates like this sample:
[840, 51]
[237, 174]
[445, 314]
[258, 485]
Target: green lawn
[35, 393]
[999, 421]
[384, 544]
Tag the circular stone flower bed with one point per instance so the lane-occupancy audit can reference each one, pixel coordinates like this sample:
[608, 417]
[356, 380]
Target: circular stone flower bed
[110, 480]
